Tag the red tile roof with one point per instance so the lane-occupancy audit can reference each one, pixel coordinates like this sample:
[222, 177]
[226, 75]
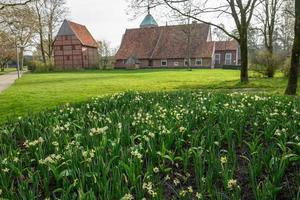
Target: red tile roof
[165, 42]
[83, 34]
[227, 45]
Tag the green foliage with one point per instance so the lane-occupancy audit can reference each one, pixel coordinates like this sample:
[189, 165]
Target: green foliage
[266, 63]
[38, 66]
[179, 145]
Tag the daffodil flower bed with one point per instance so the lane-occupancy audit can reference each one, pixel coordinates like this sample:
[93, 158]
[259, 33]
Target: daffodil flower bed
[178, 145]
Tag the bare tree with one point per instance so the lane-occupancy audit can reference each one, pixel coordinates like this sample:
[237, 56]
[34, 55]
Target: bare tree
[219, 34]
[105, 53]
[269, 20]
[285, 30]
[11, 3]
[20, 23]
[7, 50]
[240, 11]
[49, 14]
[295, 61]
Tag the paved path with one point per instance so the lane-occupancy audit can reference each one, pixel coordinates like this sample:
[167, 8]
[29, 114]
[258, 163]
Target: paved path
[7, 80]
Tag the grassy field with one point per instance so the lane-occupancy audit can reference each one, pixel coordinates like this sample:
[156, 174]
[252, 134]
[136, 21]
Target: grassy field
[174, 145]
[7, 70]
[36, 92]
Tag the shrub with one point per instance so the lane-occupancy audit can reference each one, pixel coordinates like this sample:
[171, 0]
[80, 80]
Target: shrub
[266, 63]
[38, 66]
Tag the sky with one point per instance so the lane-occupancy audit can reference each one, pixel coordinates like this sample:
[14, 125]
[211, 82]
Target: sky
[105, 19]
[108, 19]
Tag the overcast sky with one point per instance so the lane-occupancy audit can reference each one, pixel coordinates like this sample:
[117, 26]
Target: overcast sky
[105, 19]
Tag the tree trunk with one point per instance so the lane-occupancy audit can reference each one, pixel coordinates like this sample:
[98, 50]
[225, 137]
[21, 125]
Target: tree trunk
[40, 32]
[295, 61]
[21, 53]
[244, 58]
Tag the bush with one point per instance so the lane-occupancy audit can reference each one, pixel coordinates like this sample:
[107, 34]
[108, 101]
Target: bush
[266, 63]
[38, 66]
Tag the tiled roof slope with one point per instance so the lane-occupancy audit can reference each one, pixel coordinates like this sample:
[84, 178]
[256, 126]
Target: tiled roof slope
[227, 45]
[83, 34]
[165, 42]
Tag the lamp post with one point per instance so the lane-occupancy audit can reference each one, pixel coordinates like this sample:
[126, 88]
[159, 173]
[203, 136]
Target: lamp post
[18, 59]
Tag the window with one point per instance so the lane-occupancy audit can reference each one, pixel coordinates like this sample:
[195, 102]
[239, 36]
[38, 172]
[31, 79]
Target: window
[198, 61]
[164, 63]
[66, 38]
[68, 58]
[228, 58]
[176, 64]
[217, 59]
[186, 62]
[61, 48]
[73, 47]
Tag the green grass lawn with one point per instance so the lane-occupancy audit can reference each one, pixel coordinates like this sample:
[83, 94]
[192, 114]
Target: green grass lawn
[35, 92]
[7, 70]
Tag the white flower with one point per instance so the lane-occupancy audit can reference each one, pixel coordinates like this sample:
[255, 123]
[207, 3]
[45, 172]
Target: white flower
[182, 193]
[16, 159]
[98, 131]
[120, 125]
[223, 160]
[152, 135]
[232, 184]
[182, 129]
[55, 144]
[127, 196]
[5, 170]
[198, 195]
[155, 170]
[176, 181]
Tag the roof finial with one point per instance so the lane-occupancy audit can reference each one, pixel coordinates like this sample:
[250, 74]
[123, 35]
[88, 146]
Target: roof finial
[149, 7]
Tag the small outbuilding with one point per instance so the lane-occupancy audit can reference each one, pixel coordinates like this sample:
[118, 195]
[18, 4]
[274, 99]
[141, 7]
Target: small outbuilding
[75, 47]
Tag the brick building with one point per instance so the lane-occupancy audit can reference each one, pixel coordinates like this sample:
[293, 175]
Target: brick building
[153, 46]
[75, 47]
